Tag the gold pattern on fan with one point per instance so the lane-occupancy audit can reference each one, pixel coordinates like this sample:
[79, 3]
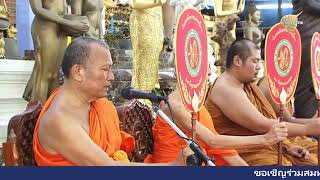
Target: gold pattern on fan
[194, 54]
[283, 59]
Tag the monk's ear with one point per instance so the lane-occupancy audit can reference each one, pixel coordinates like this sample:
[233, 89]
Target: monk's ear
[237, 61]
[76, 72]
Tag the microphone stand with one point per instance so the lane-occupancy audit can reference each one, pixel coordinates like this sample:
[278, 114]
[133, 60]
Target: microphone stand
[193, 146]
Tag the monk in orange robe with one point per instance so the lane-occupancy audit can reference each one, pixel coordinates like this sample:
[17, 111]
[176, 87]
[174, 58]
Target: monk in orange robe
[77, 125]
[239, 108]
[167, 143]
[307, 147]
[103, 130]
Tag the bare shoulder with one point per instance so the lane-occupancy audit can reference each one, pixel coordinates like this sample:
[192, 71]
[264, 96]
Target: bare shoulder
[236, 106]
[54, 118]
[55, 127]
[224, 90]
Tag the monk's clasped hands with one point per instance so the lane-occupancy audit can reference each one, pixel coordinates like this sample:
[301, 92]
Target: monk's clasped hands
[278, 132]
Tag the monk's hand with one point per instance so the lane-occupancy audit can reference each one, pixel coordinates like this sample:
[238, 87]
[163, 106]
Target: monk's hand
[298, 152]
[182, 157]
[278, 132]
[313, 127]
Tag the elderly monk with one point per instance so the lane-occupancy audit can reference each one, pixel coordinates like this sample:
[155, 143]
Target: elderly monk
[77, 125]
[167, 143]
[307, 148]
[238, 107]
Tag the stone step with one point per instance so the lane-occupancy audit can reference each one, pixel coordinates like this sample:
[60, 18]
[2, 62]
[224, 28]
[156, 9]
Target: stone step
[126, 74]
[14, 75]
[122, 65]
[122, 79]
[124, 59]
[128, 65]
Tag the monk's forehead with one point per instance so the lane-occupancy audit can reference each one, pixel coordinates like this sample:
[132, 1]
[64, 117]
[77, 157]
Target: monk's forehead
[252, 49]
[99, 52]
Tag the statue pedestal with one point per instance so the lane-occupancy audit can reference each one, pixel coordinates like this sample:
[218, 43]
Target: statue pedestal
[14, 75]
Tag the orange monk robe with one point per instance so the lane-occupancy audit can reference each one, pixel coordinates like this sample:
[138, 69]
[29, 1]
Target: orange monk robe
[104, 130]
[167, 144]
[260, 155]
[304, 141]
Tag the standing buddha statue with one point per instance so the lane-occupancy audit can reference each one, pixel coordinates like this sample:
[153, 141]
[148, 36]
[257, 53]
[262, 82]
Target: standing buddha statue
[251, 27]
[146, 30]
[92, 9]
[49, 33]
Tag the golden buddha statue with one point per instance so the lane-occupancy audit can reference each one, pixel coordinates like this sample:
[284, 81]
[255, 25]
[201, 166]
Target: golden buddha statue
[92, 10]
[49, 36]
[147, 37]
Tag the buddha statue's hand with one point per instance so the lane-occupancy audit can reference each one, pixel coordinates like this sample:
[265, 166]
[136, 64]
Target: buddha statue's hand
[81, 25]
[278, 132]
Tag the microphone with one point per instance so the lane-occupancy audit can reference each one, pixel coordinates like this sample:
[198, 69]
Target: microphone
[129, 93]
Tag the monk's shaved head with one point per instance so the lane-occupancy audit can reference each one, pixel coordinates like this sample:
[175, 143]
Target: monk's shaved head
[78, 52]
[242, 48]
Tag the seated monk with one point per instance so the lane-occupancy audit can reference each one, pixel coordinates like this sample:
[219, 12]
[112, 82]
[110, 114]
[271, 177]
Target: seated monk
[167, 143]
[77, 125]
[238, 107]
[307, 148]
